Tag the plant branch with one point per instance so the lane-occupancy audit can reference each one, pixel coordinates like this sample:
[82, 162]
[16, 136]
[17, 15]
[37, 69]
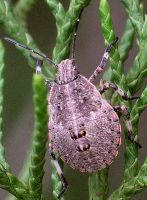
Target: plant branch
[126, 41]
[138, 70]
[98, 185]
[17, 29]
[10, 183]
[40, 137]
[118, 77]
[137, 109]
[133, 186]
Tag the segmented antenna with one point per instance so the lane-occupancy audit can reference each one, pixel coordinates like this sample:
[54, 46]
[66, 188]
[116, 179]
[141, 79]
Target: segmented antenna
[31, 50]
[75, 35]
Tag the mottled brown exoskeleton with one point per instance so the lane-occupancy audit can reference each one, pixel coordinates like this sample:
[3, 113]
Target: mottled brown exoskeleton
[84, 129]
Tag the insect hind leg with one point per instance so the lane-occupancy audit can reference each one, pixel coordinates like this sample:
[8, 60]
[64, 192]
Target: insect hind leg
[59, 171]
[104, 86]
[123, 109]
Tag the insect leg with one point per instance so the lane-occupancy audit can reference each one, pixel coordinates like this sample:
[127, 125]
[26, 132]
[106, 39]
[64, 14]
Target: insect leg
[38, 65]
[123, 109]
[38, 68]
[103, 62]
[59, 171]
[104, 85]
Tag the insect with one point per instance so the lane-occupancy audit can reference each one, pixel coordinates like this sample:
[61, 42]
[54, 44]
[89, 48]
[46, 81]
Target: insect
[83, 128]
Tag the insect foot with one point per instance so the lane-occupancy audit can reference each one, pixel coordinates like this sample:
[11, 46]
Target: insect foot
[65, 185]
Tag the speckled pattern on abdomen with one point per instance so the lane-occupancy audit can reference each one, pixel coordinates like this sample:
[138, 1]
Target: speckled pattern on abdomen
[81, 119]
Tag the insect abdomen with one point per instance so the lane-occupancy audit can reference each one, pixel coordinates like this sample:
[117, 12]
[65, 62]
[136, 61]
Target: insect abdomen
[86, 131]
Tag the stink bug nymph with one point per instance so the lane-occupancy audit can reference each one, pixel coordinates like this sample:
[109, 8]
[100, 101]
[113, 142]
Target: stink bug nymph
[84, 129]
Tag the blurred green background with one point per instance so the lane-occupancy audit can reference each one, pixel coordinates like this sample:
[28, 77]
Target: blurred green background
[18, 104]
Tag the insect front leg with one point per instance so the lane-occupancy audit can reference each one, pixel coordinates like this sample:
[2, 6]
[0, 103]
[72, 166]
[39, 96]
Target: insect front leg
[123, 109]
[103, 62]
[38, 69]
[104, 85]
[38, 65]
[59, 171]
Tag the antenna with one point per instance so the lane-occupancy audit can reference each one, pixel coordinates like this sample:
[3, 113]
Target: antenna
[75, 35]
[31, 50]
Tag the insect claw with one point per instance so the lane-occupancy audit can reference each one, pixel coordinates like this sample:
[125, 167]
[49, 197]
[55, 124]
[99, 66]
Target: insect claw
[137, 97]
[133, 140]
[111, 45]
[115, 41]
[65, 186]
[139, 145]
[133, 97]
[61, 193]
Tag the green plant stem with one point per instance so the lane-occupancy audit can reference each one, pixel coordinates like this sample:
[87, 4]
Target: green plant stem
[65, 23]
[33, 170]
[135, 13]
[138, 108]
[98, 185]
[10, 183]
[126, 41]
[40, 137]
[119, 78]
[7, 180]
[136, 111]
[138, 70]
[17, 30]
[109, 35]
[24, 174]
[115, 74]
[132, 186]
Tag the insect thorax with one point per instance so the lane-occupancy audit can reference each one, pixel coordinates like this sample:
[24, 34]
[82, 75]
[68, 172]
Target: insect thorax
[67, 71]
